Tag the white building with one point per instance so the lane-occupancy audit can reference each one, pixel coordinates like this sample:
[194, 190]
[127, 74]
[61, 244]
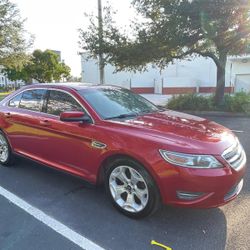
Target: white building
[239, 69]
[183, 76]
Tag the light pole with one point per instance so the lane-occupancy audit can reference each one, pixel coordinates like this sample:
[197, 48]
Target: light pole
[100, 33]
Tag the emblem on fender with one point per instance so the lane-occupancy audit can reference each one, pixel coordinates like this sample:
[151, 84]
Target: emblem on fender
[99, 145]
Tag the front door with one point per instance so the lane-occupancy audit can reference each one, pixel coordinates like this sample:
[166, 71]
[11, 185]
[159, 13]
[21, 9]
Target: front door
[68, 144]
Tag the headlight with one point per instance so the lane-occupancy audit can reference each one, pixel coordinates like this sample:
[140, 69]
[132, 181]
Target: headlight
[190, 161]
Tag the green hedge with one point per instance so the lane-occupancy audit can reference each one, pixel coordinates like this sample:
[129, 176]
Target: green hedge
[239, 102]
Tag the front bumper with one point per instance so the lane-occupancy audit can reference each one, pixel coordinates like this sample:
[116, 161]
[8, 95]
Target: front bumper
[199, 188]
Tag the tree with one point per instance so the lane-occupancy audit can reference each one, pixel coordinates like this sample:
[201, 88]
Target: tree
[44, 66]
[176, 29]
[97, 37]
[17, 74]
[74, 79]
[13, 43]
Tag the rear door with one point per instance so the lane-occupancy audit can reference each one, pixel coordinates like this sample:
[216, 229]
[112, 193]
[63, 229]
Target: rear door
[23, 116]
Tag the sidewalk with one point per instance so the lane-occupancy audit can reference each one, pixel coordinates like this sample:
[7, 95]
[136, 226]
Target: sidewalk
[157, 99]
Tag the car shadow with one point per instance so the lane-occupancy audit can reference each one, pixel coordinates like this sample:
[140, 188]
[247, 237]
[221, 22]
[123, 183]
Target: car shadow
[179, 228]
[87, 210]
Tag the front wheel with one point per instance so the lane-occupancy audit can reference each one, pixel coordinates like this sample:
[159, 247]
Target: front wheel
[131, 189]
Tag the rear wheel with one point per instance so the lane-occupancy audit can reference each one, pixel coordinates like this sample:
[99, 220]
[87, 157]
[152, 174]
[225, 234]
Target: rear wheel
[131, 189]
[6, 157]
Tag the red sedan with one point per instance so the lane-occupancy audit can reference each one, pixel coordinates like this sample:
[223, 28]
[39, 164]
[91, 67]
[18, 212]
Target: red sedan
[144, 155]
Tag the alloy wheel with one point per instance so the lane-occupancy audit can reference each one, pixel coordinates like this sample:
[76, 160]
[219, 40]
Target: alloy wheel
[128, 189]
[4, 149]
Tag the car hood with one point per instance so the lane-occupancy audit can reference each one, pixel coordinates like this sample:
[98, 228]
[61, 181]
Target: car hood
[184, 132]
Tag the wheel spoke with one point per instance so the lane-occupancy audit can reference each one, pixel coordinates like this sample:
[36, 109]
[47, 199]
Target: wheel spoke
[122, 176]
[130, 203]
[135, 177]
[142, 195]
[117, 190]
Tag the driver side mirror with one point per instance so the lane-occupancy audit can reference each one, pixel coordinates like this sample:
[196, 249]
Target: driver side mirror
[75, 116]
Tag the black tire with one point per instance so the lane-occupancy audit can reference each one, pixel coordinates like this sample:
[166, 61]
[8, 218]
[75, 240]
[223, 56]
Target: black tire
[9, 159]
[153, 196]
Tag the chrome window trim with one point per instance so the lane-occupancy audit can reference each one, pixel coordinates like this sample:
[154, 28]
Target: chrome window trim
[20, 93]
[39, 112]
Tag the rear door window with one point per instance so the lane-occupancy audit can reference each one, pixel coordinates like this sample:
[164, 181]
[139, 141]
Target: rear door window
[33, 99]
[59, 102]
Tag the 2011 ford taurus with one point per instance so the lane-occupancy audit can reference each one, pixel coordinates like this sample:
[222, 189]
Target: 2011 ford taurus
[144, 155]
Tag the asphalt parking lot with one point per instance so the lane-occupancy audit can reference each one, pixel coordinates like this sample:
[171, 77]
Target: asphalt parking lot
[87, 211]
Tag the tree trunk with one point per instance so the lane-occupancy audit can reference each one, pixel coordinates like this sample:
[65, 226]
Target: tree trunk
[101, 69]
[101, 61]
[221, 72]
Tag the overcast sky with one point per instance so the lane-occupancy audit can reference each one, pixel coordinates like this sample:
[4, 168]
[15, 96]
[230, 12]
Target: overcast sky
[54, 24]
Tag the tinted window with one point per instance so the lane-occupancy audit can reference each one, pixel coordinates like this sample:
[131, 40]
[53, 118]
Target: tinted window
[59, 102]
[14, 102]
[111, 103]
[32, 99]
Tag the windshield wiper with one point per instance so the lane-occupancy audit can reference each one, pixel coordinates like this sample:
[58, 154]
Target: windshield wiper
[162, 109]
[122, 116]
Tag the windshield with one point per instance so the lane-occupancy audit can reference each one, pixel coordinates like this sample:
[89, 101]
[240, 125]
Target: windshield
[111, 103]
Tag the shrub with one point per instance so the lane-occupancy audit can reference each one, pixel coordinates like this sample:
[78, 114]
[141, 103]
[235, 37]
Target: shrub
[190, 102]
[239, 102]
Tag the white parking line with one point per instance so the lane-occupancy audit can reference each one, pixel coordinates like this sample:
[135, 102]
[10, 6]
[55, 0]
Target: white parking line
[237, 131]
[54, 224]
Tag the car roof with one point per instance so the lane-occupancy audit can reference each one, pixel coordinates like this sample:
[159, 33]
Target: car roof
[72, 85]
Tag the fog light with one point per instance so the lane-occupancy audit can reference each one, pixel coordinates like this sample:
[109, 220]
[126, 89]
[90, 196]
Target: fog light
[234, 191]
[188, 195]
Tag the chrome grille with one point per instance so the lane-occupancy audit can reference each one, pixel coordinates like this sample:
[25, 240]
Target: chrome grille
[235, 156]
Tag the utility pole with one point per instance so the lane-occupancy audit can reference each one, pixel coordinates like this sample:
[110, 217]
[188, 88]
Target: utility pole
[101, 59]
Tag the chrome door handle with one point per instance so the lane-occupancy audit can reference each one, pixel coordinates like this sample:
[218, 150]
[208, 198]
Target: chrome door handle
[45, 123]
[7, 115]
